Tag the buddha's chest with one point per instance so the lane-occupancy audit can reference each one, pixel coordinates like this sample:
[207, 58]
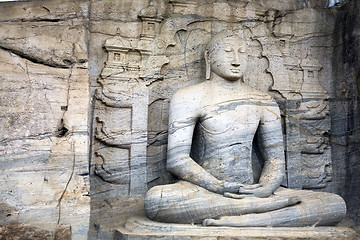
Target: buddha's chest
[241, 118]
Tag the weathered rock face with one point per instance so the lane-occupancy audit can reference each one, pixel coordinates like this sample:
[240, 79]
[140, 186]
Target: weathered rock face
[44, 127]
[346, 89]
[68, 65]
[291, 44]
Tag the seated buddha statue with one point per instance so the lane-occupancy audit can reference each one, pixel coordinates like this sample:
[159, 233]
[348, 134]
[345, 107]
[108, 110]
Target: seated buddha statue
[212, 128]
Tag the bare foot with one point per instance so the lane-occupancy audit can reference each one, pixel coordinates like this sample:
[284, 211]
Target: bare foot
[248, 220]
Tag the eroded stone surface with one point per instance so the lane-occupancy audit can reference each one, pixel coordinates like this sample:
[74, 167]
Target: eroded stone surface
[44, 143]
[289, 59]
[287, 39]
[143, 228]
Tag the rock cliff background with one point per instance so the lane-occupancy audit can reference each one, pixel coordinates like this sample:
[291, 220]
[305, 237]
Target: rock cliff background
[346, 87]
[44, 119]
[51, 56]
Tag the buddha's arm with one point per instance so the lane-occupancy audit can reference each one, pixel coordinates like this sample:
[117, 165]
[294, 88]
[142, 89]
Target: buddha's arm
[184, 110]
[270, 139]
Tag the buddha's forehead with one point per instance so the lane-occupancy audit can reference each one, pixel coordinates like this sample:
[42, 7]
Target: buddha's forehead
[231, 41]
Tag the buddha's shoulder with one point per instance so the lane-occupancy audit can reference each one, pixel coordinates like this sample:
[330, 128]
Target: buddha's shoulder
[260, 95]
[191, 92]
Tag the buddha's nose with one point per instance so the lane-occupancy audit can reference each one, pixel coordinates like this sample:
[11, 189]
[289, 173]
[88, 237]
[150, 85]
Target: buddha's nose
[236, 60]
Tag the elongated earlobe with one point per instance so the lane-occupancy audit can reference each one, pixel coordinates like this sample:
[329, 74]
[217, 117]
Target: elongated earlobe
[207, 65]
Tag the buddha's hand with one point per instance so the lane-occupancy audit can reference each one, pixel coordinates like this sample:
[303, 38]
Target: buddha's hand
[250, 190]
[231, 187]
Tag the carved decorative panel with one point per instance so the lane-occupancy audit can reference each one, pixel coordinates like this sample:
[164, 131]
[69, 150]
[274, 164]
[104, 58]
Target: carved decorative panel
[141, 74]
[121, 111]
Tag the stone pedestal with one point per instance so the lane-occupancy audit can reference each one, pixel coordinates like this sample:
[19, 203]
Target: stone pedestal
[142, 228]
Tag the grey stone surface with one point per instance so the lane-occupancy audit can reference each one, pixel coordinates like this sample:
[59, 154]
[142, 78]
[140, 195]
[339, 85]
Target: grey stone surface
[54, 55]
[143, 228]
[289, 60]
[345, 104]
[44, 119]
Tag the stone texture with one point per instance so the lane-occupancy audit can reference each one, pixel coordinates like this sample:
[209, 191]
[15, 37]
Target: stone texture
[44, 118]
[143, 228]
[289, 59]
[17, 231]
[345, 103]
[44, 42]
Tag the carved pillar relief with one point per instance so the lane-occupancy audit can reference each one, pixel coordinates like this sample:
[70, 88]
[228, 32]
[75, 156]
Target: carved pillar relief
[305, 110]
[307, 125]
[121, 109]
[315, 121]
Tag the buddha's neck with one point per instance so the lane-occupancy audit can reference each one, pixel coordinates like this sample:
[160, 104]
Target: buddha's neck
[226, 84]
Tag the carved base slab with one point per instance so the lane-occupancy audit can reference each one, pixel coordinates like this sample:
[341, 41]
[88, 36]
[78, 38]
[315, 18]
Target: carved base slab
[143, 228]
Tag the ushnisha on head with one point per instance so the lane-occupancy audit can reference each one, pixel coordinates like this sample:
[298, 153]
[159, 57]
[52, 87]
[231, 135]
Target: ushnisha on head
[225, 56]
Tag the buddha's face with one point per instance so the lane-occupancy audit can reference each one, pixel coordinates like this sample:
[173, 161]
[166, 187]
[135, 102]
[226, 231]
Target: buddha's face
[228, 58]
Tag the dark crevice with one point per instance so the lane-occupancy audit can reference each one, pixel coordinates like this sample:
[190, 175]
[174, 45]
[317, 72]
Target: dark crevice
[48, 20]
[62, 130]
[33, 60]
[46, 9]
[23, 20]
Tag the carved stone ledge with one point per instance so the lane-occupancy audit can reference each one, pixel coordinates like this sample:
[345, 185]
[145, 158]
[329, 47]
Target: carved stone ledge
[143, 228]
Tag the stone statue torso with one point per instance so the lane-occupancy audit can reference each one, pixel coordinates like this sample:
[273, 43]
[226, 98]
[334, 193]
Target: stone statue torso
[225, 132]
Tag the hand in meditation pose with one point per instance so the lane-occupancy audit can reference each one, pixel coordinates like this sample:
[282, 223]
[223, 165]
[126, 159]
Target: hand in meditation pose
[211, 132]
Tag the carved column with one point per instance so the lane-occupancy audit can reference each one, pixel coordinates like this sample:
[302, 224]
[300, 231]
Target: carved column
[121, 109]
